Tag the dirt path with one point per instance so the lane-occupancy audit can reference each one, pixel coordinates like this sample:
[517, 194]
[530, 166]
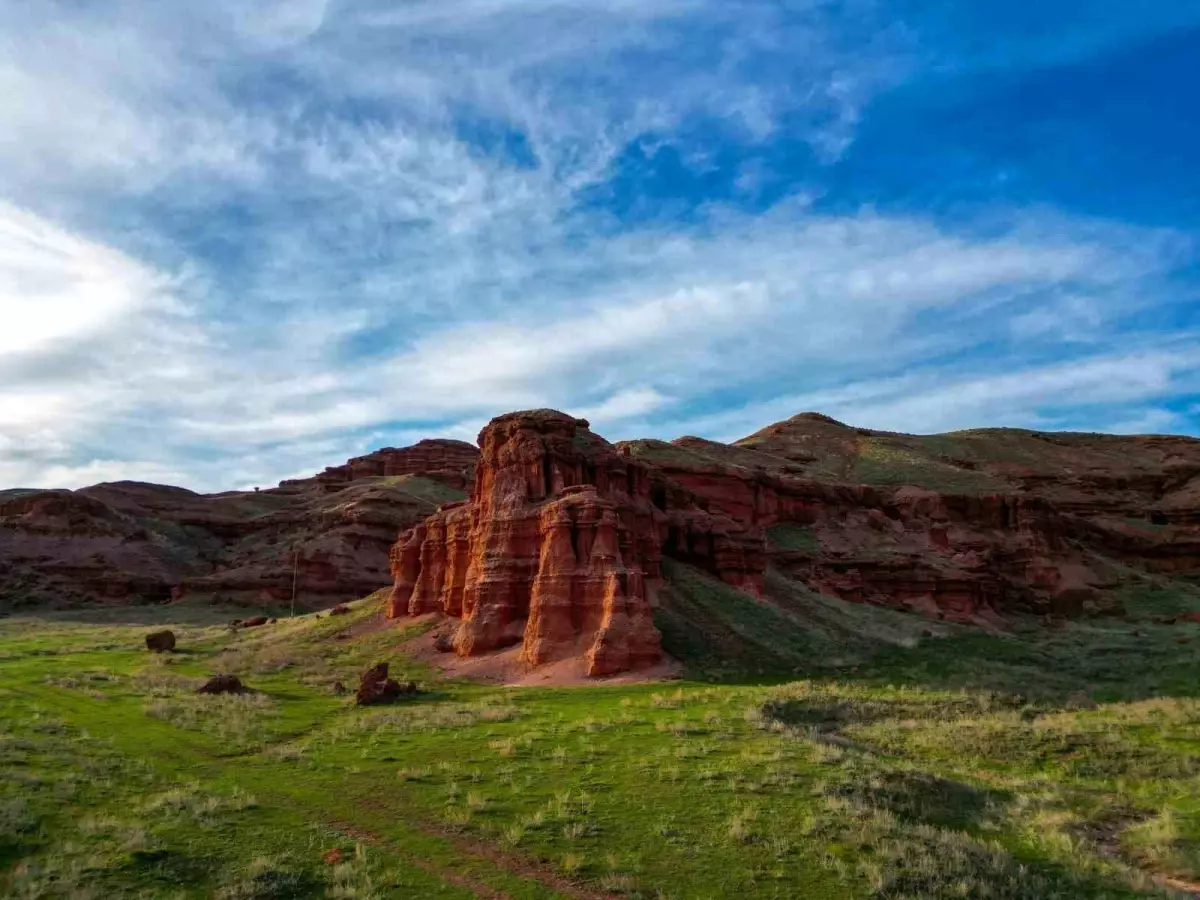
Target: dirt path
[511, 863]
[476, 887]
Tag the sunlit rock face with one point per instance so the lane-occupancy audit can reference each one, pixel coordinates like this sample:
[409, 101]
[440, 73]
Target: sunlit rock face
[558, 549]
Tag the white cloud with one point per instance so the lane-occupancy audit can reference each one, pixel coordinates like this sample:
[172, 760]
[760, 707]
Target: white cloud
[936, 399]
[56, 288]
[1152, 421]
[242, 241]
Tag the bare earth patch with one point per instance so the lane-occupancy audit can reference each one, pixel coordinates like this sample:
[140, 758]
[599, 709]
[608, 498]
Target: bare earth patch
[505, 667]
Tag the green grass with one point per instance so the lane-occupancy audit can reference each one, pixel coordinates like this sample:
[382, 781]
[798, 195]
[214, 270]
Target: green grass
[790, 536]
[838, 751]
[885, 462]
[424, 489]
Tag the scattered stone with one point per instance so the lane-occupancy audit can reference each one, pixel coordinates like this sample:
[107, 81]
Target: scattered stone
[1080, 700]
[223, 684]
[161, 641]
[443, 644]
[254, 621]
[339, 688]
[377, 687]
[340, 610]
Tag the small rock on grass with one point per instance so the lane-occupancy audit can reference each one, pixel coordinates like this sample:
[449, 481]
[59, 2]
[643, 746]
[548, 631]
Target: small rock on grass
[222, 684]
[376, 687]
[161, 641]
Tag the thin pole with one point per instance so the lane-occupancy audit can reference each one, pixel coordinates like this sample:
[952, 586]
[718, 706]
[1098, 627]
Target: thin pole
[295, 566]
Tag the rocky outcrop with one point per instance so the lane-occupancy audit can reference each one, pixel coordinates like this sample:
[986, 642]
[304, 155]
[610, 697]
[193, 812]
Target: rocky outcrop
[954, 556]
[559, 546]
[558, 549]
[449, 462]
[129, 542]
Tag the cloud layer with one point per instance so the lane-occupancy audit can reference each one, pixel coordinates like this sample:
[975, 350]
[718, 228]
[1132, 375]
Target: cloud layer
[243, 242]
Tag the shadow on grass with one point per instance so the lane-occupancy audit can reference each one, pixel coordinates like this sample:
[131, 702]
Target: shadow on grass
[724, 635]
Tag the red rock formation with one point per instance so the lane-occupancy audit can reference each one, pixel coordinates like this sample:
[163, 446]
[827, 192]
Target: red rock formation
[450, 462]
[984, 522]
[127, 542]
[558, 549]
[954, 556]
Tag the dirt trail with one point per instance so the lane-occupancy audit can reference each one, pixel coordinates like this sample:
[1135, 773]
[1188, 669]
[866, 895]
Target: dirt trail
[476, 887]
[511, 863]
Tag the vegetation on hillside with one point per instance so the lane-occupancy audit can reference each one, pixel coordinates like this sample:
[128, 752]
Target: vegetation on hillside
[840, 751]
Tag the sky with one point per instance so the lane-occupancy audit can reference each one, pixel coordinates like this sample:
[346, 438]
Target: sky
[241, 240]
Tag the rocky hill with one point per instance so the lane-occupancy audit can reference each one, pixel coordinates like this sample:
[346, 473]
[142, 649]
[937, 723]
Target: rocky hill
[562, 544]
[128, 542]
[565, 543]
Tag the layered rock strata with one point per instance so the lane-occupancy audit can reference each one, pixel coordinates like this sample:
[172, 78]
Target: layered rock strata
[558, 549]
[327, 537]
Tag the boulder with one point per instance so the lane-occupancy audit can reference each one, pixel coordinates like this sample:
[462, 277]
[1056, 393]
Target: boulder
[254, 621]
[222, 684]
[340, 610]
[376, 687]
[161, 641]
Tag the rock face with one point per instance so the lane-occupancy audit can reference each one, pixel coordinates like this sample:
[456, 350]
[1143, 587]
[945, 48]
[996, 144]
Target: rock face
[450, 462]
[959, 526]
[128, 542]
[561, 544]
[558, 549]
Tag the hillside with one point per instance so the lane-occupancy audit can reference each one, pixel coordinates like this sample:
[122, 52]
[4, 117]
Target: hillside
[128, 542]
[957, 525]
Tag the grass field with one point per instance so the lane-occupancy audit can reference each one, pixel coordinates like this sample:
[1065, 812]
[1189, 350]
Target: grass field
[869, 759]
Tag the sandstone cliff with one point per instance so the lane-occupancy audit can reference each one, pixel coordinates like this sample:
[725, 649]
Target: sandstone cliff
[563, 540]
[560, 547]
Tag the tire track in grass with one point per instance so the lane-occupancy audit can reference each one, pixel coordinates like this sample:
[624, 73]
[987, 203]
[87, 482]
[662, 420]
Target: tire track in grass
[511, 863]
[476, 887]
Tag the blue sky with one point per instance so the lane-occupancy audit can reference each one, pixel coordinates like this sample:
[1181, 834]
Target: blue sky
[240, 241]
